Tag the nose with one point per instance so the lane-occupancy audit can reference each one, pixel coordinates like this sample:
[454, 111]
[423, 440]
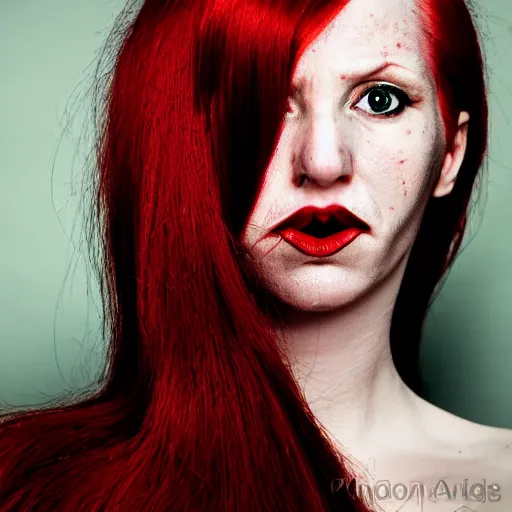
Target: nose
[324, 157]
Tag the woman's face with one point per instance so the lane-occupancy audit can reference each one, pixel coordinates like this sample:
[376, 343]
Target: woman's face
[339, 147]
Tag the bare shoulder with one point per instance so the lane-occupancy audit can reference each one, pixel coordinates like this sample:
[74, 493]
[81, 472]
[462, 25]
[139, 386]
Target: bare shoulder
[463, 465]
[499, 456]
[456, 464]
[479, 451]
[447, 427]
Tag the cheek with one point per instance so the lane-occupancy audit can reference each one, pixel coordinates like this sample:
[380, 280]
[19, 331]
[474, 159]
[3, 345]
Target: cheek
[271, 206]
[398, 168]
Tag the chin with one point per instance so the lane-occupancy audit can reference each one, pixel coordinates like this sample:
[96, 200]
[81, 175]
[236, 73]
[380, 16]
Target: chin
[315, 296]
[321, 306]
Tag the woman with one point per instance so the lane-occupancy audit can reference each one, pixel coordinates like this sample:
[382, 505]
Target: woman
[281, 186]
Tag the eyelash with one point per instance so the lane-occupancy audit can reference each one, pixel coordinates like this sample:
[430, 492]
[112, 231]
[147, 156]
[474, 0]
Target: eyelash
[394, 91]
[402, 97]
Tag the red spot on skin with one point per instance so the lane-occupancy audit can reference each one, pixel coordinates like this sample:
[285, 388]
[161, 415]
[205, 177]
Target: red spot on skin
[401, 161]
[391, 208]
[405, 191]
[384, 54]
[371, 15]
[408, 131]
[343, 77]
[313, 51]
[398, 45]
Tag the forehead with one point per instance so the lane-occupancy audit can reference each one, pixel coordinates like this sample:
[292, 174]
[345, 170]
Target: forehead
[364, 34]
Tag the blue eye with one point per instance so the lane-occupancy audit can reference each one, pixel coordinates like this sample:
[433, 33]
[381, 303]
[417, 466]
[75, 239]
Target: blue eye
[383, 97]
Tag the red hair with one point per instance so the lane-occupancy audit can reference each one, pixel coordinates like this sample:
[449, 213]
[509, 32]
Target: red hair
[197, 409]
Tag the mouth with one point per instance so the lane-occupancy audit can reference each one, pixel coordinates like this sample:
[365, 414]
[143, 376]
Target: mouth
[321, 232]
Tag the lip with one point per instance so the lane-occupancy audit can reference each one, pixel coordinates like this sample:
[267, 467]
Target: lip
[290, 228]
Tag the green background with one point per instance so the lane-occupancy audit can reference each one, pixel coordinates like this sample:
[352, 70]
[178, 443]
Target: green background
[49, 324]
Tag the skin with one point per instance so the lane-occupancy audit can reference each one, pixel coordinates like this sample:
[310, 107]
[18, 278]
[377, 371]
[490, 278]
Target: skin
[334, 149]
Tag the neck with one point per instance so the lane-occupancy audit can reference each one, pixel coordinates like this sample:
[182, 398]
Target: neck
[342, 361]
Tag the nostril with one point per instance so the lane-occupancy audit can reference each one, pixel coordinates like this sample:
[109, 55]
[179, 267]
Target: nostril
[302, 179]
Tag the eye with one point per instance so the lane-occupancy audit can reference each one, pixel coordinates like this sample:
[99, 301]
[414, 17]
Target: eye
[379, 99]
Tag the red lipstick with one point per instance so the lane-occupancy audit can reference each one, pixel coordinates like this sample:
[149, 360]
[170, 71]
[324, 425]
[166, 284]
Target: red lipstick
[321, 232]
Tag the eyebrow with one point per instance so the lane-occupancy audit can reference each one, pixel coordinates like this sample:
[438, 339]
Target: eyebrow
[297, 88]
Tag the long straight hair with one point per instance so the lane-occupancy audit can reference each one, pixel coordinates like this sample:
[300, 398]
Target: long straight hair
[197, 408]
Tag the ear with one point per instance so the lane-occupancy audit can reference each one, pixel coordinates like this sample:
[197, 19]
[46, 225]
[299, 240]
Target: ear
[453, 159]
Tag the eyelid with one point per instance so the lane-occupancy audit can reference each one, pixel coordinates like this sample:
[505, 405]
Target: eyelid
[394, 89]
[385, 85]
[404, 99]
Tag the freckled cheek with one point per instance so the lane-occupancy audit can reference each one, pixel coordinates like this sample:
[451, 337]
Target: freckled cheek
[384, 173]
[395, 176]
